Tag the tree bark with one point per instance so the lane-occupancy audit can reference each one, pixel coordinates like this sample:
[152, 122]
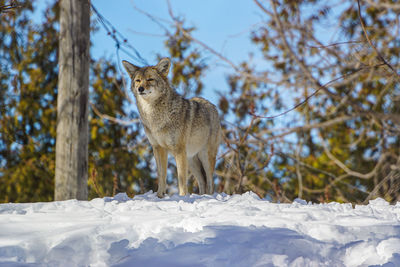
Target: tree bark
[72, 101]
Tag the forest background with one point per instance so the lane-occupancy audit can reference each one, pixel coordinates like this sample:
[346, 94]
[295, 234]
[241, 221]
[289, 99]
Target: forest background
[311, 109]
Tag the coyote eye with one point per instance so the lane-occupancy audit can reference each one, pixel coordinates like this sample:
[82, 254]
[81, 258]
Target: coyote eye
[137, 80]
[150, 79]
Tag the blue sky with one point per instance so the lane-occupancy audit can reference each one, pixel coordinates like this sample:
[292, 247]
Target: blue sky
[224, 25]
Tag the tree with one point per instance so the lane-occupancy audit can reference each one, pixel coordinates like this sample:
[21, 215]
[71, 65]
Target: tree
[342, 143]
[72, 101]
[28, 78]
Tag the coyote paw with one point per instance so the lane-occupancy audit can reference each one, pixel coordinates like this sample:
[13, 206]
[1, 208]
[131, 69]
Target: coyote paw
[161, 194]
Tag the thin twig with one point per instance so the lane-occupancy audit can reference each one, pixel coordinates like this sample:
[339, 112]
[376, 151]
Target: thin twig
[334, 44]
[381, 58]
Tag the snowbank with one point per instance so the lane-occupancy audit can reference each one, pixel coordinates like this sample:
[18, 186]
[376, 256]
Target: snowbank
[219, 230]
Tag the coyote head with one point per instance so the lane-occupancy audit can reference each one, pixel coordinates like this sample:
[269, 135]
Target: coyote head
[149, 82]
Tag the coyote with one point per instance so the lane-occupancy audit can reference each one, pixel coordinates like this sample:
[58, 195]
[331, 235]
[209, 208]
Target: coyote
[189, 129]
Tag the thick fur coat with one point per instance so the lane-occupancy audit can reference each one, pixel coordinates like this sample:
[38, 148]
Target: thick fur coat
[189, 129]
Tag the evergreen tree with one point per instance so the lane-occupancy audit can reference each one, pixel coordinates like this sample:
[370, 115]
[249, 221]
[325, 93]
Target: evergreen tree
[28, 100]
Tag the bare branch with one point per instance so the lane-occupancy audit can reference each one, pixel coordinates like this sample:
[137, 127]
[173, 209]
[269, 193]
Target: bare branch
[111, 118]
[7, 8]
[324, 86]
[344, 167]
[334, 44]
[307, 127]
[381, 58]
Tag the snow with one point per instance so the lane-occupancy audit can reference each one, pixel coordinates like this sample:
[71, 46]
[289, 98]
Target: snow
[218, 230]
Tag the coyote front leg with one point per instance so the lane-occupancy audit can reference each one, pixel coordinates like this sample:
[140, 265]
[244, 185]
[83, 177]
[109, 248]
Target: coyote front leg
[182, 167]
[161, 155]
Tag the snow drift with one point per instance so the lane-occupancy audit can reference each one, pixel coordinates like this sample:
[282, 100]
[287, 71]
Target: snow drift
[218, 230]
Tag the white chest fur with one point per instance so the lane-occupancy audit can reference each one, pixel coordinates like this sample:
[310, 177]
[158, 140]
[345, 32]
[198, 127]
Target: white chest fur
[152, 122]
[145, 107]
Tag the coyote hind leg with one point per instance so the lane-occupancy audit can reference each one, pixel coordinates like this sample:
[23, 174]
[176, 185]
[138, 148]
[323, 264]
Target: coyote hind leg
[195, 168]
[207, 157]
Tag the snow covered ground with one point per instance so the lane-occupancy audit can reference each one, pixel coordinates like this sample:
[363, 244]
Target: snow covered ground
[219, 230]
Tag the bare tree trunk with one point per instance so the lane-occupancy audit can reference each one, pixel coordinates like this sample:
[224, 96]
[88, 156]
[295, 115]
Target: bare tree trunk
[72, 102]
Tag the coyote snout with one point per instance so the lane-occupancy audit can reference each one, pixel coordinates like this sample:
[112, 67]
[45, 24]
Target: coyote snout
[189, 129]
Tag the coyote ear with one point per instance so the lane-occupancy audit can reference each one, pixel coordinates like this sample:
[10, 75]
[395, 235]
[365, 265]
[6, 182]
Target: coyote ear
[163, 66]
[130, 68]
